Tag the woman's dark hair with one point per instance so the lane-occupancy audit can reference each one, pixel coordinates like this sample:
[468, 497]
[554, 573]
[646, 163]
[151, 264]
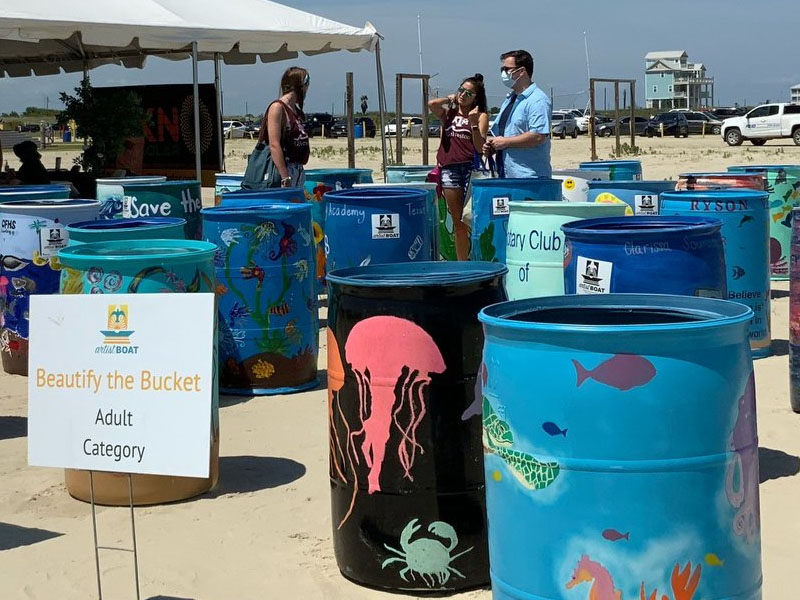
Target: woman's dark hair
[480, 91]
[293, 80]
[522, 58]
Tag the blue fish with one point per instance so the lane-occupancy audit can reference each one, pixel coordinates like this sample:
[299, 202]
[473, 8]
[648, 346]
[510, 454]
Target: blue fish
[746, 219]
[738, 272]
[553, 429]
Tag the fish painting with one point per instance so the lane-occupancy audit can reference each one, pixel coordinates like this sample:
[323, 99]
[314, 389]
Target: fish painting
[745, 219]
[738, 272]
[237, 311]
[23, 283]
[622, 371]
[713, 560]
[253, 272]
[787, 221]
[366, 261]
[612, 535]
[280, 310]
[552, 429]
[12, 263]
[230, 236]
[292, 333]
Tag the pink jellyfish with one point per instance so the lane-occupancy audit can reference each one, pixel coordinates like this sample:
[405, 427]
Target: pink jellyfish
[388, 354]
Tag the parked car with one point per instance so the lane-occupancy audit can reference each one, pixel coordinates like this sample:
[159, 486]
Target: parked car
[435, 128]
[410, 127]
[339, 127]
[562, 124]
[318, 124]
[672, 123]
[765, 122]
[727, 113]
[233, 129]
[700, 122]
[607, 129]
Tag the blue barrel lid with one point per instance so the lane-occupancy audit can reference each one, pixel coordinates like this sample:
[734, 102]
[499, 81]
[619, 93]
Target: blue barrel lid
[311, 173]
[146, 185]
[156, 251]
[408, 167]
[23, 189]
[116, 224]
[746, 168]
[376, 193]
[712, 174]
[282, 191]
[523, 182]
[730, 193]
[233, 212]
[48, 202]
[610, 163]
[616, 227]
[614, 313]
[632, 184]
[415, 274]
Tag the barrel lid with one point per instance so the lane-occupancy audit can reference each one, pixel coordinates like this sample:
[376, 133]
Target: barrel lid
[728, 193]
[24, 189]
[614, 313]
[268, 193]
[45, 203]
[726, 174]
[154, 251]
[144, 185]
[417, 274]
[311, 173]
[633, 184]
[637, 226]
[117, 224]
[376, 193]
[418, 185]
[610, 163]
[746, 168]
[231, 210]
[132, 179]
[408, 168]
[566, 208]
[515, 182]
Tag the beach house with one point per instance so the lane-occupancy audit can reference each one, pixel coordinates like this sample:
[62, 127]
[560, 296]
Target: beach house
[671, 81]
[796, 93]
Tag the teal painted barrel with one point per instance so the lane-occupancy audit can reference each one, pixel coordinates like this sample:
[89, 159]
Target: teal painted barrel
[623, 170]
[226, 182]
[243, 198]
[266, 291]
[490, 208]
[109, 230]
[745, 232]
[783, 186]
[134, 200]
[378, 225]
[400, 173]
[143, 267]
[629, 468]
[111, 191]
[535, 244]
[9, 193]
[575, 183]
[31, 234]
[641, 197]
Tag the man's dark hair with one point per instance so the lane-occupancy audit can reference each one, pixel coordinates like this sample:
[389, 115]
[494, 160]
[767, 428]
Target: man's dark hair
[522, 58]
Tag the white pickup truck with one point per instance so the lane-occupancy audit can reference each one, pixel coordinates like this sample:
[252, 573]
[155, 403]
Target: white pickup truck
[765, 122]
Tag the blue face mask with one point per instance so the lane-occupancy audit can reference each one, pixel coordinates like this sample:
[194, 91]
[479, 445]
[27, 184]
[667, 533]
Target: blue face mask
[508, 81]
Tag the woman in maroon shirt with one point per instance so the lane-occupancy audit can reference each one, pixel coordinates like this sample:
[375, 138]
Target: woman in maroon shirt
[465, 123]
[288, 141]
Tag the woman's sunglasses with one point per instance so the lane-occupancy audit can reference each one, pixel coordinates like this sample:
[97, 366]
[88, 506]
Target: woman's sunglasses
[466, 92]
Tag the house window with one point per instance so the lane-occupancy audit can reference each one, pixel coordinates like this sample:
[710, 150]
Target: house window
[662, 75]
[655, 89]
[669, 89]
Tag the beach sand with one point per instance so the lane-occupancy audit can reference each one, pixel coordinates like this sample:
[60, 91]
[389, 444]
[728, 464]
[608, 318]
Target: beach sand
[265, 533]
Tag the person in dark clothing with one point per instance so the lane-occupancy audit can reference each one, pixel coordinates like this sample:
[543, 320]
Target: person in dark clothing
[32, 171]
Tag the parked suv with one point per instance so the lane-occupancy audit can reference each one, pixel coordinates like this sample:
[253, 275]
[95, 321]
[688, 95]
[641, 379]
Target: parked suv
[699, 120]
[765, 122]
[318, 124]
[673, 123]
[562, 124]
[607, 129]
[727, 113]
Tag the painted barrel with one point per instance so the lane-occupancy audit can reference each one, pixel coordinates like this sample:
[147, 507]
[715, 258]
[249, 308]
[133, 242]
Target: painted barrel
[111, 190]
[268, 325]
[641, 197]
[31, 234]
[745, 233]
[433, 208]
[645, 255]
[535, 244]
[794, 315]
[376, 226]
[783, 186]
[109, 230]
[407, 487]
[399, 173]
[321, 181]
[142, 267]
[182, 199]
[613, 476]
[226, 182]
[490, 209]
[575, 183]
[624, 170]
[9, 193]
[358, 131]
[253, 197]
[710, 181]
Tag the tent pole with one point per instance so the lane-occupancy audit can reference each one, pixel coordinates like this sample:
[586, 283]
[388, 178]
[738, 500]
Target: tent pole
[381, 103]
[218, 89]
[196, 95]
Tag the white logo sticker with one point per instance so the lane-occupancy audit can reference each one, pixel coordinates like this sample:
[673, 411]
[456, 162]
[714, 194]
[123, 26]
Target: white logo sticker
[386, 226]
[646, 204]
[127, 213]
[593, 276]
[51, 240]
[500, 206]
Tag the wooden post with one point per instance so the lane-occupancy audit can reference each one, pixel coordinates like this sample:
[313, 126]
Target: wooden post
[633, 113]
[351, 142]
[616, 114]
[425, 92]
[593, 142]
[398, 119]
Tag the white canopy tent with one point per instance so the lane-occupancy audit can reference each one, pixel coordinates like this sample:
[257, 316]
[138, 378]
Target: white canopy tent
[51, 36]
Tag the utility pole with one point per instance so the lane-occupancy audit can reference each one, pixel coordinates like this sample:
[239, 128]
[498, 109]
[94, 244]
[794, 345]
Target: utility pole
[419, 42]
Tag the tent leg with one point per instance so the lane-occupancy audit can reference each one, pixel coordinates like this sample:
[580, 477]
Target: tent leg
[218, 89]
[196, 94]
[381, 104]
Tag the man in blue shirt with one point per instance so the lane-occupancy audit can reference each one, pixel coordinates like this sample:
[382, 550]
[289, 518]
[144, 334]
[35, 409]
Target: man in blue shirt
[522, 130]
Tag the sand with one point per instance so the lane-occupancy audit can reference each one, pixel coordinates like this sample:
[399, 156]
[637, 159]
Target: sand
[265, 533]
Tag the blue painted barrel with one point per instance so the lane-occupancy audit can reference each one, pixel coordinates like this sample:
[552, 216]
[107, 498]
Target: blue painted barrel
[32, 232]
[630, 464]
[745, 233]
[358, 131]
[142, 267]
[645, 255]
[490, 209]
[226, 182]
[400, 173]
[376, 226]
[267, 300]
[641, 197]
[134, 200]
[624, 170]
[535, 244]
[783, 185]
[242, 198]
[9, 193]
[109, 230]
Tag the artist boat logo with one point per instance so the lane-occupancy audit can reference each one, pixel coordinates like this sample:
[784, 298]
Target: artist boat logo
[386, 226]
[593, 276]
[646, 204]
[117, 336]
[500, 206]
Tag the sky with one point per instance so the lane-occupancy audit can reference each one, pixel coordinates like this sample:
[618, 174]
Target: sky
[749, 48]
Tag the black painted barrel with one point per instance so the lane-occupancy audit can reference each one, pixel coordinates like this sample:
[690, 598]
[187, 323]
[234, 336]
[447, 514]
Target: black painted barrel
[404, 393]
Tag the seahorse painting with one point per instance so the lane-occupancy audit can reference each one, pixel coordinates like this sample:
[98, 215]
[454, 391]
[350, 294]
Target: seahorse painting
[589, 571]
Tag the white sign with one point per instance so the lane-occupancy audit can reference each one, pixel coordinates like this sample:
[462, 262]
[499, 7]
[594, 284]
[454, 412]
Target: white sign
[593, 276]
[646, 204]
[500, 206]
[386, 226]
[20, 233]
[121, 382]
